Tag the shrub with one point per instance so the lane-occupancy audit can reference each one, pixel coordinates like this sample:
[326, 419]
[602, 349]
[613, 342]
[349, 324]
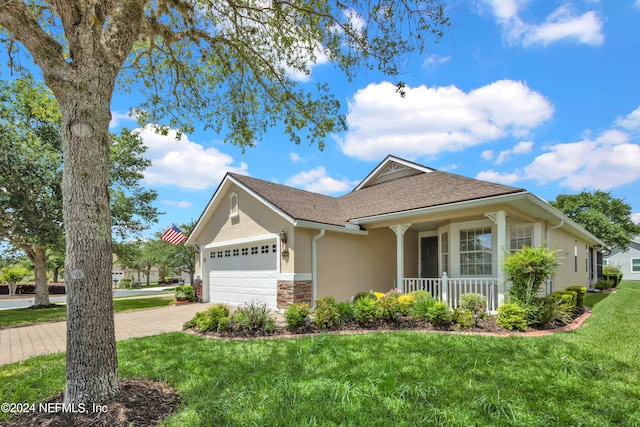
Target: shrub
[125, 282]
[406, 302]
[295, 315]
[364, 310]
[527, 269]
[613, 273]
[379, 295]
[208, 320]
[326, 314]
[581, 294]
[569, 297]
[463, 318]
[388, 307]
[439, 314]
[345, 312]
[472, 302]
[555, 312]
[512, 317]
[364, 294]
[224, 324]
[254, 317]
[604, 284]
[185, 292]
[420, 310]
[421, 294]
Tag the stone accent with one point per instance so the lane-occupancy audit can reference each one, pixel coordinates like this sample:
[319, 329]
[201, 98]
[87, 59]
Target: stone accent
[291, 292]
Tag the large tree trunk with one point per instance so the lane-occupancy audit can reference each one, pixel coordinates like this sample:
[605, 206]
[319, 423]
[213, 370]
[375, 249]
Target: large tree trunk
[92, 365]
[40, 267]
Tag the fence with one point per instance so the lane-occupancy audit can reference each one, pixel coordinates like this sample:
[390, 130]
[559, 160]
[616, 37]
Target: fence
[449, 289]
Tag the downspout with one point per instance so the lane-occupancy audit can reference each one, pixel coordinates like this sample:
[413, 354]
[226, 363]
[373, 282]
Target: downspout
[314, 267]
[549, 247]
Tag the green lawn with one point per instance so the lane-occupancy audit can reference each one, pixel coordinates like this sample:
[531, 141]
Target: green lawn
[588, 377]
[21, 317]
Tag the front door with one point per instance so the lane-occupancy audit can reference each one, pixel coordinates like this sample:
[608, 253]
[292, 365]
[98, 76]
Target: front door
[429, 257]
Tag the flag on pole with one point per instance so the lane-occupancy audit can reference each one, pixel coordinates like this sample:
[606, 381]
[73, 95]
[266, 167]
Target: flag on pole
[173, 235]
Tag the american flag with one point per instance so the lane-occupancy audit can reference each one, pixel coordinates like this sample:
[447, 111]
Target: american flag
[173, 235]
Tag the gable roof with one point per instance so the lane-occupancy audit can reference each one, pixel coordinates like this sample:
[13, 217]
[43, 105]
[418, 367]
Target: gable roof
[395, 188]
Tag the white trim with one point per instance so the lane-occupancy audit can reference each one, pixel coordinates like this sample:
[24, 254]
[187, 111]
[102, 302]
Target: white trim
[242, 241]
[234, 211]
[385, 163]
[348, 228]
[631, 266]
[294, 277]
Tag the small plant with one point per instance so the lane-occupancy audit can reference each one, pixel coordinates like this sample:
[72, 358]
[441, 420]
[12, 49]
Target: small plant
[185, 293]
[512, 317]
[326, 314]
[224, 324]
[254, 317]
[420, 310]
[406, 302]
[603, 284]
[364, 294]
[364, 310]
[296, 315]
[125, 282]
[613, 273]
[463, 318]
[388, 307]
[421, 294]
[439, 314]
[555, 312]
[345, 312]
[208, 320]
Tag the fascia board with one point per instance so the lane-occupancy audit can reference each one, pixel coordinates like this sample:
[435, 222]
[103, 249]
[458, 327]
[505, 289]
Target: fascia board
[328, 227]
[384, 163]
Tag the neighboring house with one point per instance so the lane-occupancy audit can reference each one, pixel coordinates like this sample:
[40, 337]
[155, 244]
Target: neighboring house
[628, 262]
[118, 272]
[404, 226]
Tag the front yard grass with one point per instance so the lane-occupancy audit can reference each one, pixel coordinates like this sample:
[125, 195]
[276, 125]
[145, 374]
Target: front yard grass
[21, 317]
[587, 377]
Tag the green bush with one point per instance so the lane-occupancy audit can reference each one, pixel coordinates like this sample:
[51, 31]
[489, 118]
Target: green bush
[463, 318]
[365, 310]
[527, 270]
[208, 320]
[345, 312]
[125, 282]
[326, 314]
[254, 317]
[613, 273]
[185, 292]
[472, 302]
[389, 307]
[295, 315]
[555, 312]
[420, 295]
[604, 284]
[224, 324]
[439, 314]
[420, 310]
[581, 294]
[364, 294]
[512, 317]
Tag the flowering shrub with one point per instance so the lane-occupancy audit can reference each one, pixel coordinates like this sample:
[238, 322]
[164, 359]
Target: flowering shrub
[406, 302]
[388, 307]
[379, 295]
[326, 314]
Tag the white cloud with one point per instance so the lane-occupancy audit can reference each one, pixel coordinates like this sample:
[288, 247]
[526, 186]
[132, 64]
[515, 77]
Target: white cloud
[318, 181]
[433, 60]
[182, 204]
[295, 157]
[429, 121]
[635, 217]
[630, 122]
[522, 147]
[117, 118]
[487, 155]
[184, 163]
[562, 24]
[501, 178]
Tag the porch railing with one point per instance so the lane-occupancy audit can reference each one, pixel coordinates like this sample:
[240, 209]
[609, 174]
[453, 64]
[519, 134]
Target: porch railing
[449, 289]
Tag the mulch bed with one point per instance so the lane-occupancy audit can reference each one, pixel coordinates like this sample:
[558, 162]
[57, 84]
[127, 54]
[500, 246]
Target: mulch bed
[141, 403]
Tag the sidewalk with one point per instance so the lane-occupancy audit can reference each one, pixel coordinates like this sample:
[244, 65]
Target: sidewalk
[21, 343]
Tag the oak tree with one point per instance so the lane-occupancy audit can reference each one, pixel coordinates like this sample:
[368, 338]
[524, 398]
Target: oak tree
[224, 63]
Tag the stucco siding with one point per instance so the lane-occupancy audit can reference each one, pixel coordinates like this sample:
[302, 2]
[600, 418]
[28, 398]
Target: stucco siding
[572, 253]
[624, 261]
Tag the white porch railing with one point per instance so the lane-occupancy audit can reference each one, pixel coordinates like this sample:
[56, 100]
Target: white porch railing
[449, 289]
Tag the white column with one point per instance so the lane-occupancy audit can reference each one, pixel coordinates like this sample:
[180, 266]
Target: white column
[499, 218]
[400, 229]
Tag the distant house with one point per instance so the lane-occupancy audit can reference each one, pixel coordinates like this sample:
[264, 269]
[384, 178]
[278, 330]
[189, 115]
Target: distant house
[628, 262]
[119, 272]
[404, 226]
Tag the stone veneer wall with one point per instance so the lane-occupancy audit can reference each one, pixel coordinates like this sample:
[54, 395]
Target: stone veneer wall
[291, 292]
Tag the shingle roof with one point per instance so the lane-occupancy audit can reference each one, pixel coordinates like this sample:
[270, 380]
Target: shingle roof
[403, 194]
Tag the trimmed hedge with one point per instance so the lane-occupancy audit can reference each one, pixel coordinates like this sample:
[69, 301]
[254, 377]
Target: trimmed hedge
[30, 289]
[581, 294]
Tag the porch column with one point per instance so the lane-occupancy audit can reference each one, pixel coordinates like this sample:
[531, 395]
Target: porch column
[499, 218]
[400, 229]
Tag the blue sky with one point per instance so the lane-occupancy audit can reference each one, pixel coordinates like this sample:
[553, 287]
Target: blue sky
[537, 94]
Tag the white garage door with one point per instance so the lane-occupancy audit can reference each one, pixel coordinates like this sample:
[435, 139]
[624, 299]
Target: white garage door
[243, 273]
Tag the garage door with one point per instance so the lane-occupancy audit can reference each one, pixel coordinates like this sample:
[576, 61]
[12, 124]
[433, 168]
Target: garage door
[244, 273]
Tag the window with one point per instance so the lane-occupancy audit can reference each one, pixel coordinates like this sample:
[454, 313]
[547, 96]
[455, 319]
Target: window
[444, 249]
[212, 254]
[635, 265]
[520, 235]
[264, 249]
[219, 254]
[236, 252]
[274, 249]
[233, 205]
[475, 252]
[245, 251]
[227, 253]
[254, 250]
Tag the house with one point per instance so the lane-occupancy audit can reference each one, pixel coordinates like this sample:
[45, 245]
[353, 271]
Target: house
[119, 272]
[404, 226]
[628, 262]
